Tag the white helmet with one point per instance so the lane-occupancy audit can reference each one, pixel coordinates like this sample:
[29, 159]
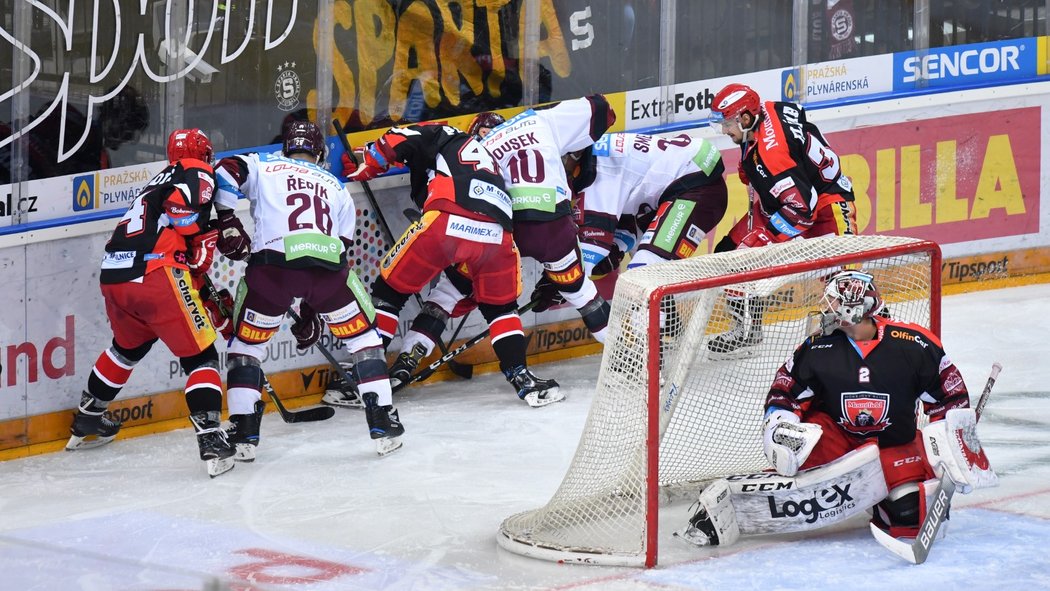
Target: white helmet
[850, 297]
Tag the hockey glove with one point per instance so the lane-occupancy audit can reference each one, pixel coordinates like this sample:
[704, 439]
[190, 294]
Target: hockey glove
[308, 329]
[349, 166]
[374, 164]
[234, 242]
[547, 294]
[787, 441]
[755, 238]
[223, 324]
[201, 252]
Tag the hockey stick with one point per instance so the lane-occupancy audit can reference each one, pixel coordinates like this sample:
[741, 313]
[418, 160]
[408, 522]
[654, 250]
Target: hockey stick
[306, 415]
[917, 551]
[433, 367]
[455, 367]
[328, 355]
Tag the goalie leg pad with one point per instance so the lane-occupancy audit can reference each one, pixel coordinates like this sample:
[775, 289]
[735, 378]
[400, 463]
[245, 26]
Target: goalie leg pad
[953, 445]
[767, 503]
[714, 521]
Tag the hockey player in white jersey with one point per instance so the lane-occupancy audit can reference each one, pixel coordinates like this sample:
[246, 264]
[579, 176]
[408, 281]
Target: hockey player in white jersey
[529, 148]
[304, 226]
[671, 189]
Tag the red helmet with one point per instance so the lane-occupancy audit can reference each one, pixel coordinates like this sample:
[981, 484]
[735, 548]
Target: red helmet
[304, 136]
[189, 143]
[734, 100]
[484, 119]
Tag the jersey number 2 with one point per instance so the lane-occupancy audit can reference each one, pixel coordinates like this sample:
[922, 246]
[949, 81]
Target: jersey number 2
[322, 218]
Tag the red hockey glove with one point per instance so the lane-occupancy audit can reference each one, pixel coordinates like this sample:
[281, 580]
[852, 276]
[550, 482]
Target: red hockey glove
[374, 164]
[201, 251]
[743, 176]
[463, 307]
[755, 238]
[234, 242]
[349, 166]
[308, 329]
[223, 324]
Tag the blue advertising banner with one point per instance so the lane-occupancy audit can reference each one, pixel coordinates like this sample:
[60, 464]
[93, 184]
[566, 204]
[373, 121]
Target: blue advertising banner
[960, 65]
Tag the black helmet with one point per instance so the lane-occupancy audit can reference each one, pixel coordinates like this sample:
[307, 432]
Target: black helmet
[304, 136]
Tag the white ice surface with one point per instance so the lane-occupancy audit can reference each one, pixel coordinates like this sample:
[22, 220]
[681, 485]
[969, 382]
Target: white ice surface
[320, 511]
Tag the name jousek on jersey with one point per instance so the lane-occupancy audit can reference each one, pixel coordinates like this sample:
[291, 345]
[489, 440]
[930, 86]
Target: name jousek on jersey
[514, 144]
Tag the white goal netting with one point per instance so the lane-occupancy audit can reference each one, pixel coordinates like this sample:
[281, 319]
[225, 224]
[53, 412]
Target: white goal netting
[706, 398]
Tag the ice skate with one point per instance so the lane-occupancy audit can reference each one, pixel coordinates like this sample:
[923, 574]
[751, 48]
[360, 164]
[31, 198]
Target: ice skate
[341, 393]
[384, 426]
[746, 332]
[243, 433]
[535, 391]
[405, 364]
[91, 427]
[215, 449]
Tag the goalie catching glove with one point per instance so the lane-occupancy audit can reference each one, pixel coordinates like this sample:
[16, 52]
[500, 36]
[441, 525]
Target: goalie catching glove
[788, 441]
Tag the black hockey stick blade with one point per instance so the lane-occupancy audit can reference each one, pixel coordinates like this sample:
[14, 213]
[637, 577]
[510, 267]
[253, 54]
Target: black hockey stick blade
[918, 550]
[304, 415]
[447, 357]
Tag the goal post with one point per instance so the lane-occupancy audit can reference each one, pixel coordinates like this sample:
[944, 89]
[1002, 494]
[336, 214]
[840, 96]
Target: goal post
[673, 408]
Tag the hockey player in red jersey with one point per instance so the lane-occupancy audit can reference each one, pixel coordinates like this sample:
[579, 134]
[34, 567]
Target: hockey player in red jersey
[840, 423]
[465, 230]
[305, 222]
[150, 276]
[798, 189]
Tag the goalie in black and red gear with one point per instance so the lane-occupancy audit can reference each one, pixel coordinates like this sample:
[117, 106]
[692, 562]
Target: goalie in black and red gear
[153, 267]
[840, 424]
[798, 190]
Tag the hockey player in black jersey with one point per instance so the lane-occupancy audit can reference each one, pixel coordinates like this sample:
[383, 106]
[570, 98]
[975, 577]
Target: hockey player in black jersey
[841, 429]
[151, 274]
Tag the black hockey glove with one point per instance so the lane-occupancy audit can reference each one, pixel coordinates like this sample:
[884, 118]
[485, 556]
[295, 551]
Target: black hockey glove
[308, 329]
[547, 294]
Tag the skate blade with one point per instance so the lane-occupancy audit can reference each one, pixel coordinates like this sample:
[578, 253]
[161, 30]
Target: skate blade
[219, 466]
[77, 443]
[734, 355]
[245, 453]
[387, 445]
[535, 401]
[692, 535]
[342, 400]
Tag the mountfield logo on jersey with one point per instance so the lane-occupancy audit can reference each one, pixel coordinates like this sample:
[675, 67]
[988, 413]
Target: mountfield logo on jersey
[964, 64]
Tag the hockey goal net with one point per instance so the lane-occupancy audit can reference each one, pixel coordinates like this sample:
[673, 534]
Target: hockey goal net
[670, 413]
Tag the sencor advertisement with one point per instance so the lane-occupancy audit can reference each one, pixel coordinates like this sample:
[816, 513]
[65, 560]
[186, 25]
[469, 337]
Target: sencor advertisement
[995, 62]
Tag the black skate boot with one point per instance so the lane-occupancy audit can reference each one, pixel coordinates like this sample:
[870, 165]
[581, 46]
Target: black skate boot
[405, 364]
[746, 332]
[339, 392]
[535, 391]
[384, 425]
[243, 433]
[215, 449]
[91, 427]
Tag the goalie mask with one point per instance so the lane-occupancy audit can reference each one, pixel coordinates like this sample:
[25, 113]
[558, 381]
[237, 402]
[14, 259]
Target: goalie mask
[850, 297]
[304, 137]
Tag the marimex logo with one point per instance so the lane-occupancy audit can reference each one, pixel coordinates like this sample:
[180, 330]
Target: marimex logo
[951, 66]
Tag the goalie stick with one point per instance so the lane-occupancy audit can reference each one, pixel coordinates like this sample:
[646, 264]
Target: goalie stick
[305, 415]
[456, 368]
[446, 358]
[917, 551]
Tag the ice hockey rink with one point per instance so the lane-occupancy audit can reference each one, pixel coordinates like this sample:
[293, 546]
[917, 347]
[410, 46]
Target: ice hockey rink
[320, 511]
